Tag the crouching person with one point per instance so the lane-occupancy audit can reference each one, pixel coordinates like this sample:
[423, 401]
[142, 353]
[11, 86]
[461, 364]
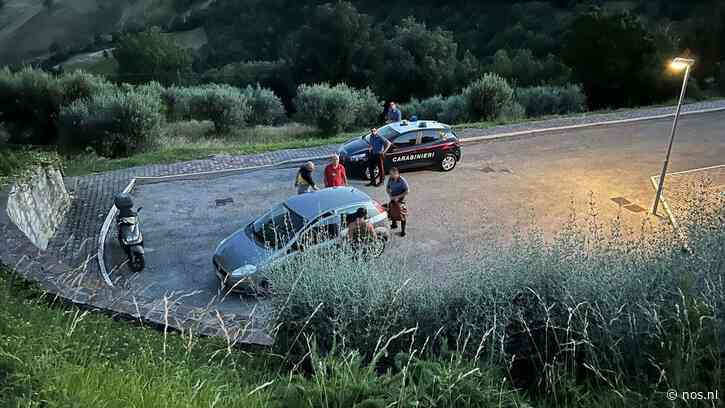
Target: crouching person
[397, 189]
[360, 232]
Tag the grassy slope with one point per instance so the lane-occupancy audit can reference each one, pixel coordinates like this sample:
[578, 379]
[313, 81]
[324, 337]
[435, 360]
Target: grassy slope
[191, 141]
[53, 355]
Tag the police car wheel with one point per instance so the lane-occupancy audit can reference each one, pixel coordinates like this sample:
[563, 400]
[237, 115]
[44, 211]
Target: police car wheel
[367, 173]
[448, 162]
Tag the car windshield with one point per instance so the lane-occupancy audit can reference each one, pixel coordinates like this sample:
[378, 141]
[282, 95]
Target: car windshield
[385, 131]
[277, 226]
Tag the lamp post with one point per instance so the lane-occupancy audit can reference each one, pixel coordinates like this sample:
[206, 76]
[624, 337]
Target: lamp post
[677, 64]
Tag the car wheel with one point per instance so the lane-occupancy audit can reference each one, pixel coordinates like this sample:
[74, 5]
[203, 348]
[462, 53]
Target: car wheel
[137, 262]
[448, 162]
[367, 173]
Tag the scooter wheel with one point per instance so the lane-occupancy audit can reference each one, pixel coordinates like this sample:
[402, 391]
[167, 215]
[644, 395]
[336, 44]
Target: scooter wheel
[137, 262]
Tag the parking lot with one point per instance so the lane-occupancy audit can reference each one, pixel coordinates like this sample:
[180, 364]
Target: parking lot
[494, 186]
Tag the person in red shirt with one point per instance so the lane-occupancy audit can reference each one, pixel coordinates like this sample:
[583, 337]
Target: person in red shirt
[335, 173]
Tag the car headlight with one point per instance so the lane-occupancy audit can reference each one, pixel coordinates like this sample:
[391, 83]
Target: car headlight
[358, 157]
[244, 271]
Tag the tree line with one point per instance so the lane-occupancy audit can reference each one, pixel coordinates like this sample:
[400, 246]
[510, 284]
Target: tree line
[403, 51]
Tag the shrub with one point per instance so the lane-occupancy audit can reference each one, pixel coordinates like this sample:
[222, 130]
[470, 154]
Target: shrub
[266, 107]
[454, 110]
[224, 105]
[176, 102]
[367, 109]
[487, 97]
[335, 108]
[428, 108]
[551, 100]
[114, 122]
[512, 112]
[721, 78]
[447, 110]
[30, 101]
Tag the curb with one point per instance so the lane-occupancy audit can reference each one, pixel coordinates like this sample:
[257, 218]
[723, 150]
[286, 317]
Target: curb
[535, 132]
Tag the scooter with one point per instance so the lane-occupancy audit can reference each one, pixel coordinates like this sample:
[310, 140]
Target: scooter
[129, 231]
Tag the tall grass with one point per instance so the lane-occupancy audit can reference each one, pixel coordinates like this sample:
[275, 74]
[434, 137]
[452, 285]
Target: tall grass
[599, 316]
[630, 315]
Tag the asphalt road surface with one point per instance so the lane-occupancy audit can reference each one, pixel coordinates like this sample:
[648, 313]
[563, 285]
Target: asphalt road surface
[495, 185]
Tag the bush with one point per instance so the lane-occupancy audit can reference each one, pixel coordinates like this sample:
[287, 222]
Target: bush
[31, 99]
[449, 110]
[721, 78]
[512, 112]
[367, 109]
[487, 97]
[224, 105]
[428, 108]
[266, 107]
[115, 122]
[176, 102]
[551, 100]
[336, 108]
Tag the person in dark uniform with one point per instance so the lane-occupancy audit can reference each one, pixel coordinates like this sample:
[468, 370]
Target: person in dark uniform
[394, 114]
[376, 154]
[397, 189]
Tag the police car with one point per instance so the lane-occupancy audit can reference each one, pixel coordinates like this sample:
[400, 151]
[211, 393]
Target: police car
[415, 144]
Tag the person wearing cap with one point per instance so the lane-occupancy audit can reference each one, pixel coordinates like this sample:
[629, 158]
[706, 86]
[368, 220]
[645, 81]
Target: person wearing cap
[335, 173]
[303, 180]
[397, 189]
[360, 231]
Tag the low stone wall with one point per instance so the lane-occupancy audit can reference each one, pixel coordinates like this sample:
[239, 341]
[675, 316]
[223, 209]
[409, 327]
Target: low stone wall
[37, 203]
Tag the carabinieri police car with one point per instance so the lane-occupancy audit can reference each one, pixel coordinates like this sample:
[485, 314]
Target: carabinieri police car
[415, 144]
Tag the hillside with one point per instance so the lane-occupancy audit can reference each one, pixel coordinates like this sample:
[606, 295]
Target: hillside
[29, 28]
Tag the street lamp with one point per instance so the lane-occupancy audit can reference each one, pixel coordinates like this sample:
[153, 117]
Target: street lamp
[678, 64]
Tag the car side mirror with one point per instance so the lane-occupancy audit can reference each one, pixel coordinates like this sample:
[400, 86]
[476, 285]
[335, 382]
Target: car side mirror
[139, 209]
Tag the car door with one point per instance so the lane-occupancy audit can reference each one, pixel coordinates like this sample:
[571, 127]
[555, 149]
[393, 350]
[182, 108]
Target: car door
[401, 152]
[428, 151]
[317, 235]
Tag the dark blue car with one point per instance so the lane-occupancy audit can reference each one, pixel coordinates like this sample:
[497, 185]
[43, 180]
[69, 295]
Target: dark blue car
[415, 144]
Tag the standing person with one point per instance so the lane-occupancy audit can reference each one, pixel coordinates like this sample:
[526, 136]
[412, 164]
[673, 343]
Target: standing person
[360, 232]
[335, 175]
[394, 114]
[376, 154]
[397, 189]
[303, 180]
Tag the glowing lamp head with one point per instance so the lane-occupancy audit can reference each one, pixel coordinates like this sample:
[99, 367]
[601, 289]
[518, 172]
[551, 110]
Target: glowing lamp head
[679, 64]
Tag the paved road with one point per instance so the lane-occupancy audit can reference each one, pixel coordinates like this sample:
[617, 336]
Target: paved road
[496, 184]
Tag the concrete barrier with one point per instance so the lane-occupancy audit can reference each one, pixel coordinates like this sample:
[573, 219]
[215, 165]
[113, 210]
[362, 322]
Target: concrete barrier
[37, 203]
